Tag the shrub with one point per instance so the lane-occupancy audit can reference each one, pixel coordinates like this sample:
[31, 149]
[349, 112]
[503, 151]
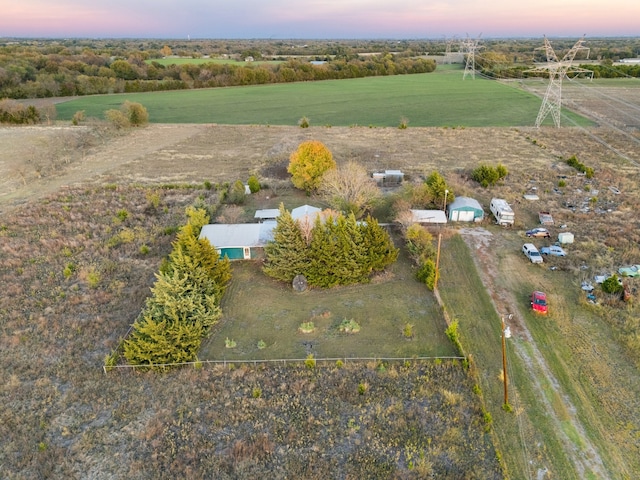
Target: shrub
[582, 168]
[407, 331]
[254, 184]
[117, 118]
[307, 327]
[349, 326]
[236, 194]
[136, 113]
[68, 270]
[93, 278]
[122, 215]
[261, 345]
[487, 175]
[454, 336]
[256, 392]
[310, 362]
[78, 117]
[612, 285]
[562, 184]
[229, 343]
[362, 388]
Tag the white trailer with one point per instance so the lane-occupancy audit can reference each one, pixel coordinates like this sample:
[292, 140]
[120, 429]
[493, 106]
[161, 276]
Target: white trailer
[502, 211]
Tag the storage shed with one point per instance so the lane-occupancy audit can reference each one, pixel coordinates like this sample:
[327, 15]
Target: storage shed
[465, 209]
[242, 241]
[429, 216]
[565, 237]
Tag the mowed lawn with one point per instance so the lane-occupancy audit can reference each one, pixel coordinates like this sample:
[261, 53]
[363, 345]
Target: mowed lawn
[441, 98]
[258, 308]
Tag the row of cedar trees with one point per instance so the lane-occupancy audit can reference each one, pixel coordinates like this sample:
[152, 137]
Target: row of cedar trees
[185, 300]
[336, 250]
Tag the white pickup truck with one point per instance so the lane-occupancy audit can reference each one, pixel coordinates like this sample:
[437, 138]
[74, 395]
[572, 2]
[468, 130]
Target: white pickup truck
[532, 253]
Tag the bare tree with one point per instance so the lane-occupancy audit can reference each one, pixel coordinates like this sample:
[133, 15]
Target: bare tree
[350, 189]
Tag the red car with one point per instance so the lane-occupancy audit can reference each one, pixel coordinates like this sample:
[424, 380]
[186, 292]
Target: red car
[539, 302]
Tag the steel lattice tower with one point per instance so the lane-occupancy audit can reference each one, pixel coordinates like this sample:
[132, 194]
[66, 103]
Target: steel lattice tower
[469, 47]
[557, 69]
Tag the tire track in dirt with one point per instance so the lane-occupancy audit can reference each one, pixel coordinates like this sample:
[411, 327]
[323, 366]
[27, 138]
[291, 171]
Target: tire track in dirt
[585, 457]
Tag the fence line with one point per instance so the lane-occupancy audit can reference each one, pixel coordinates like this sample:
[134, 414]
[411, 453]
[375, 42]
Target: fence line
[284, 361]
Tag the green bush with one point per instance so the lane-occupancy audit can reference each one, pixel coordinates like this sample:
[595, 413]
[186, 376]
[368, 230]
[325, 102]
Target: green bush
[236, 194]
[487, 175]
[612, 285]
[349, 326]
[310, 362]
[254, 184]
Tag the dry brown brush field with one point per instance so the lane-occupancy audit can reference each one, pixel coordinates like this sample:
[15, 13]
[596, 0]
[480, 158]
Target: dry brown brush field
[77, 267]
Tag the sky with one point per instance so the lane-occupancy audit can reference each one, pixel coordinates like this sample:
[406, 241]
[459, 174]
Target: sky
[318, 19]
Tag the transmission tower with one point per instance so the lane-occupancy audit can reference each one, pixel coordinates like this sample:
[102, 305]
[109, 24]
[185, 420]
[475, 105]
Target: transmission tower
[447, 52]
[558, 70]
[469, 47]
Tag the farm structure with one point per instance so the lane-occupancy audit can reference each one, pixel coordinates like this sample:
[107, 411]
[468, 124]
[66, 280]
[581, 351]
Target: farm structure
[565, 237]
[388, 178]
[429, 216]
[267, 215]
[242, 241]
[246, 241]
[465, 209]
[502, 211]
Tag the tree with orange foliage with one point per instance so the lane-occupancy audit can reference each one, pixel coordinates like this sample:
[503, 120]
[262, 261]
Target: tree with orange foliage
[309, 163]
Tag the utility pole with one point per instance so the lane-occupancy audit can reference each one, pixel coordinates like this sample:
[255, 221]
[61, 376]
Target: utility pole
[435, 283]
[506, 333]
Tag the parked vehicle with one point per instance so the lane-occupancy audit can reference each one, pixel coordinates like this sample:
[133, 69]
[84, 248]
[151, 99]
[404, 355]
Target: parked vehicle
[539, 302]
[630, 271]
[553, 250]
[502, 211]
[545, 218]
[532, 253]
[538, 233]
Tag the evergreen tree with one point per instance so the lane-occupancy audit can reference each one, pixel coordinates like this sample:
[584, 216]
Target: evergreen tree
[324, 256]
[379, 248]
[177, 298]
[287, 254]
[352, 256]
[162, 342]
[197, 259]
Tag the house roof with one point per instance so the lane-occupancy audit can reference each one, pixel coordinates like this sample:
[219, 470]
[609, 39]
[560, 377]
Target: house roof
[222, 235]
[305, 211]
[465, 202]
[267, 213]
[429, 216]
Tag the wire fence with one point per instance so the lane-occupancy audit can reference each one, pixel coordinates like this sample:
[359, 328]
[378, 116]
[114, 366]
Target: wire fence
[283, 361]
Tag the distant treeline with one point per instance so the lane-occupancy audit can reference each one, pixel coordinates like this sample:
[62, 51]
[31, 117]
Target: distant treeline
[25, 74]
[604, 69]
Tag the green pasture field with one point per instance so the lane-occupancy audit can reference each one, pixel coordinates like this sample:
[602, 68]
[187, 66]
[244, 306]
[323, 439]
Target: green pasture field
[441, 98]
[200, 61]
[256, 308]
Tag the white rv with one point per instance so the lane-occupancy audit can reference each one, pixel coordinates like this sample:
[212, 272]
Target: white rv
[502, 211]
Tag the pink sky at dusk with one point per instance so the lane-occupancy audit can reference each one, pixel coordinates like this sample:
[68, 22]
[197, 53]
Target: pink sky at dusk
[317, 18]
